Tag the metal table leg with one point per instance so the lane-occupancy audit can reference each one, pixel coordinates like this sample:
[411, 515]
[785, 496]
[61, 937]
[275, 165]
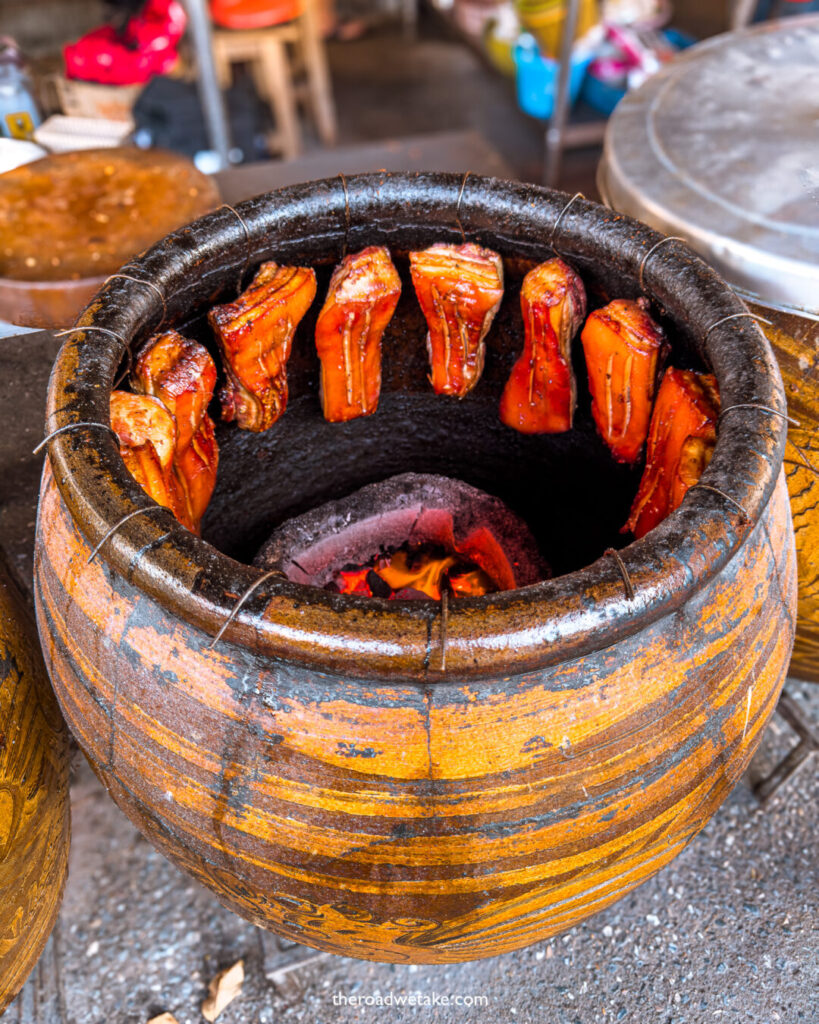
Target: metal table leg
[555, 133]
[808, 744]
[210, 95]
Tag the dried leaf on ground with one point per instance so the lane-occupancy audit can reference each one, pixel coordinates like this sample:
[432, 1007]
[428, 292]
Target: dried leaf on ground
[223, 989]
[164, 1018]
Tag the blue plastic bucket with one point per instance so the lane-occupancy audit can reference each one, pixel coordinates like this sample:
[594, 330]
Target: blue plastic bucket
[536, 77]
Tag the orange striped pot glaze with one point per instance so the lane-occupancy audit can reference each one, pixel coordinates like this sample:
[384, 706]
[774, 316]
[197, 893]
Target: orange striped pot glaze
[363, 775]
[795, 342]
[34, 813]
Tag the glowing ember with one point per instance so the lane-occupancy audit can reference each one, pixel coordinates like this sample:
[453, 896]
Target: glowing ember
[423, 571]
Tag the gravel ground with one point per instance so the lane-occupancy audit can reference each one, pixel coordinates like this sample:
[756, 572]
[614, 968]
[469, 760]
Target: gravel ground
[728, 932]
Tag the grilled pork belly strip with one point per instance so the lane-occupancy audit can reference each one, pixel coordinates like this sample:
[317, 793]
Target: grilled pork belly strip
[460, 288]
[681, 442]
[624, 351]
[363, 293]
[147, 442]
[181, 375]
[540, 395]
[255, 335]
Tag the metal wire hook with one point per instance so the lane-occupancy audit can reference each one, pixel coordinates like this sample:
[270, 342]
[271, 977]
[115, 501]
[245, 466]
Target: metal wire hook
[346, 214]
[621, 565]
[734, 316]
[444, 627]
[764, 408]
[73, 426]
[234, 611]
[90, 327]
[722, 494]
[113, 530]
[653, 249]
[458, 206]
[149, 284]
[126, 347]
[556, 225]
[248, 239]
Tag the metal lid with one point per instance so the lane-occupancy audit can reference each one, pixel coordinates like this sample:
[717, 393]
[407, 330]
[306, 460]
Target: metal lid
[722, 147]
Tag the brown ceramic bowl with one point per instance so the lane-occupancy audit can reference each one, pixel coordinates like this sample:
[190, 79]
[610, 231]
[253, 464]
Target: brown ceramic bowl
[324, 768]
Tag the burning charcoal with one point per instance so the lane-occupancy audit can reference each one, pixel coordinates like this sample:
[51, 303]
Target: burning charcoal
[147, 441]
[354, 581]
[681, 441]
[624, 352]
[469, 583]
[419, 518]
[255, 334]
[421, 571]
[540, 395]
[378, 585]
[182, 375]
[364, 291]
[460, 288]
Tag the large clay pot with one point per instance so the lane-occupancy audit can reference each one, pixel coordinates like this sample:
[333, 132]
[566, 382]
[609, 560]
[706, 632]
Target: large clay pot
[679, 156]
[34, 813]
[356, 774]
[795, 341]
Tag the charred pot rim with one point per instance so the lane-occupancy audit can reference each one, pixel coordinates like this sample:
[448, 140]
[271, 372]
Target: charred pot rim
[499, 635]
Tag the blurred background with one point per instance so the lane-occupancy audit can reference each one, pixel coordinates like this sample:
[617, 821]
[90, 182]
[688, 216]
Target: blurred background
[298, 76]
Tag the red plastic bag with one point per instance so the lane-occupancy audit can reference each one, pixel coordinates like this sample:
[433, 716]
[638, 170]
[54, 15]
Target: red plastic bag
[147, 46]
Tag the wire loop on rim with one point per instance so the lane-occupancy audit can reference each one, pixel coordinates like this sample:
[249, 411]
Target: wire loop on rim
[248, 239]
[556, 225]
[126, 347]
[722, 494]
[90, 327]
[653, 249]
[74, 426]
[346, 214]
[113, 530]
[621, 565]
[458, 206]
[444, 626]
[128, 367]
[149, 284]
[734, 316]
[764, 408]
[235, 610]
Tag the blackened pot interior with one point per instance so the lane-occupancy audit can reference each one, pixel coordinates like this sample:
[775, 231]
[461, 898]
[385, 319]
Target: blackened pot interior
[567, 487]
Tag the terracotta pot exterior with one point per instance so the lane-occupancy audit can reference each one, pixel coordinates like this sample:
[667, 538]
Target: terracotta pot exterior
[34, 811]
[424, 824]
[363, 775]
[795, 343]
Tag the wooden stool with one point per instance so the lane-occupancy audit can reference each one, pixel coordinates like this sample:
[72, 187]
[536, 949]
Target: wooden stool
[275, 72]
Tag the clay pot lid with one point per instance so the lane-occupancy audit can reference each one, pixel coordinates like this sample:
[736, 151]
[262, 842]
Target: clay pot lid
[80, 215]
[496, 635]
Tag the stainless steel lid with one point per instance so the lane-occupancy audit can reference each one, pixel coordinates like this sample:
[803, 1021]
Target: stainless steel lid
[722, 148]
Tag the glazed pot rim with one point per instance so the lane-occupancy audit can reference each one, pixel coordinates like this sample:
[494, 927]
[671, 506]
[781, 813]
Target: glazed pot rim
[365, 638]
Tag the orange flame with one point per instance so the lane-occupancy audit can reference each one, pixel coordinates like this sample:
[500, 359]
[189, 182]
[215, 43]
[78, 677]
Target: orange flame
[422, 571]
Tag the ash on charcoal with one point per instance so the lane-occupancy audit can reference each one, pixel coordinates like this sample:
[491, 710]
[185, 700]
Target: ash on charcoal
[414, 509]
